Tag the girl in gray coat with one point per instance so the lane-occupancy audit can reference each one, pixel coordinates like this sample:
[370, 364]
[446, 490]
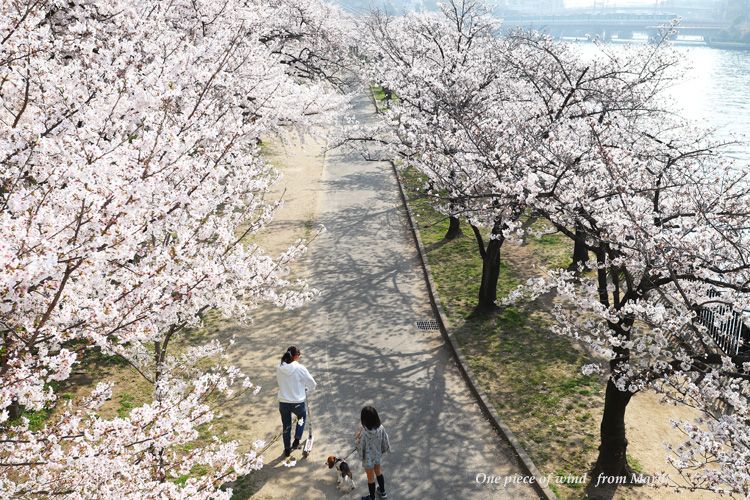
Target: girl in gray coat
[372, 442]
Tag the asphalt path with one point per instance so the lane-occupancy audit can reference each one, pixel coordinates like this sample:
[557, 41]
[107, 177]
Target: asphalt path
[360, 341]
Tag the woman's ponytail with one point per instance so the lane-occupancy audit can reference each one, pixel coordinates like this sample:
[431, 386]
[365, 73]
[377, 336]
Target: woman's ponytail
[289, 355]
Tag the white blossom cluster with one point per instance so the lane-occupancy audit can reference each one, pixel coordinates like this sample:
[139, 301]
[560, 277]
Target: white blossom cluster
[130, 177]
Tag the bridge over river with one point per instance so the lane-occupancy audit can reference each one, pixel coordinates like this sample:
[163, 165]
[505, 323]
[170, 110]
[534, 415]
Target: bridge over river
[621, 25]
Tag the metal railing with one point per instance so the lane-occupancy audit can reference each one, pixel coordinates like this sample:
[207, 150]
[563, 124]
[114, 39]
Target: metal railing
[724, 326]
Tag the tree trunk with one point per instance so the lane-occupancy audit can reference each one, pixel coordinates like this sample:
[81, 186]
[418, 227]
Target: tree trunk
[454, 229]
[613, 446]
[580, 252]
[490, 267]
[612, 460]
[14, 410]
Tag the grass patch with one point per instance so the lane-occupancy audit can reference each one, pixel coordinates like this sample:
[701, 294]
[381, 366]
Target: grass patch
[93, 359]
[555, 489]
[196, 471]
[531, 375]
[634, 464]
[92, 366]
[377, 92]
[127, 403]
[265, 146]
[129, 389]
[37, 419]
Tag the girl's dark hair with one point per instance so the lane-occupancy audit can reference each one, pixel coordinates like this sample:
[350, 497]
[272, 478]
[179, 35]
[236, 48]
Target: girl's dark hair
[369, 418]
[289, 355]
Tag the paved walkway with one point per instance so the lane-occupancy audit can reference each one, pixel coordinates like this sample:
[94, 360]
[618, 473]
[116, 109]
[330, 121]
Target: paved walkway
[359, 340]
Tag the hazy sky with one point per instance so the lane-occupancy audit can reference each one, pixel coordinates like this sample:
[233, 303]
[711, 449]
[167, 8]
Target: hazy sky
[589, 3]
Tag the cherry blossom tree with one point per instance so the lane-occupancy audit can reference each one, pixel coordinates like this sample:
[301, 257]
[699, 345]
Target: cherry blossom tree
[446, 71]
[665, 220]
[130, 179]
[667, 234]
[473, 109]
[609, 169]
[565, 85]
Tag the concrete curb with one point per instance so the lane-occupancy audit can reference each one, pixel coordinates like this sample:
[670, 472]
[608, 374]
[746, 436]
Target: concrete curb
[471, 381]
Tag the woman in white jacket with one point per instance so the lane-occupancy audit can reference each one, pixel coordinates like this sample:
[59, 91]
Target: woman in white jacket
[293, 379]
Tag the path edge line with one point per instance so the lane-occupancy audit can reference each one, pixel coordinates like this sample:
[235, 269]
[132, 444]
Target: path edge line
[468, 376]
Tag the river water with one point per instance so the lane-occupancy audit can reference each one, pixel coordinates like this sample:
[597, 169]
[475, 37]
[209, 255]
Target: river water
[715, 93]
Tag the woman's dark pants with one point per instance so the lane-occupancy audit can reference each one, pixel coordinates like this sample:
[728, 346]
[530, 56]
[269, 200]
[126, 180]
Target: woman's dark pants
[286, 410]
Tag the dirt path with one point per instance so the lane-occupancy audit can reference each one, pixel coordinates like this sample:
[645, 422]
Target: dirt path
[260, 345]
[648, 427]
[360, 341]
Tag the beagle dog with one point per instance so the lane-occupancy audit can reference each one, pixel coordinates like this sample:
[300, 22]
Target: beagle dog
[344, 479]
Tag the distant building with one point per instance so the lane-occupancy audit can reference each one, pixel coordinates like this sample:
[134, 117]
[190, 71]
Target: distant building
[735, 11]
[529, 7]
[391, 6]
[708, 9]
[686, 9]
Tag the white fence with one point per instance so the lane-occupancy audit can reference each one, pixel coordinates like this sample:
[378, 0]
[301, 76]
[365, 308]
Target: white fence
[725, 327]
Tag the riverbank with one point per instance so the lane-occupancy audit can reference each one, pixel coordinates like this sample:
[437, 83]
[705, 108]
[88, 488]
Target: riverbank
[727, 45]
[678, 42]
